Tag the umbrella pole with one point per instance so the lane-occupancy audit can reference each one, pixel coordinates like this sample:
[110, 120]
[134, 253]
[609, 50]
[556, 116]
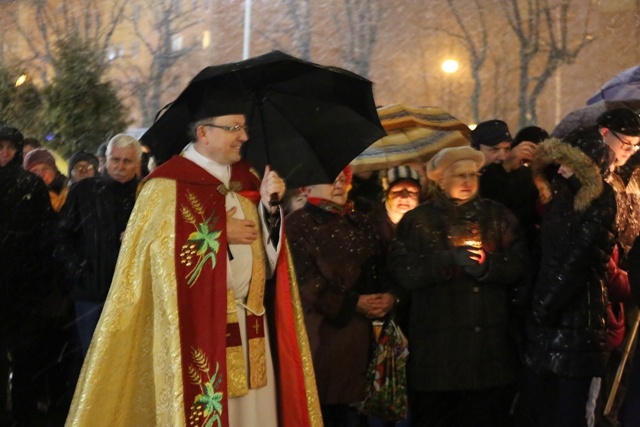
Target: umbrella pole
[628, 345]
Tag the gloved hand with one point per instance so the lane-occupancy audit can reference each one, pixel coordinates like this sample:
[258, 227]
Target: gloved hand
[477, 270]
[462, 256]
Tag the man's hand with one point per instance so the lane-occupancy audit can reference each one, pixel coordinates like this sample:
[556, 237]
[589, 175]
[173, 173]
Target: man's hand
[520, 154]
[271, 184]
[240, 231]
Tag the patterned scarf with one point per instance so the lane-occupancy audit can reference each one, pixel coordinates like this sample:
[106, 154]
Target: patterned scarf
[329, 206]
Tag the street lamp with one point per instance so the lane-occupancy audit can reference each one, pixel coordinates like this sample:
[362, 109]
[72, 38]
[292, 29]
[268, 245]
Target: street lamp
[449, 66]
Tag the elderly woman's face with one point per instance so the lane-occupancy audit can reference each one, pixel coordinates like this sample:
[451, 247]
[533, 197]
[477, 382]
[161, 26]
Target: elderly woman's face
[403, 196]
[460, 180]
[336, 192]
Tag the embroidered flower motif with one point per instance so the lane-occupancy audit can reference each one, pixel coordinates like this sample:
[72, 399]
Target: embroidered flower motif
[207, 406]
[203, 244]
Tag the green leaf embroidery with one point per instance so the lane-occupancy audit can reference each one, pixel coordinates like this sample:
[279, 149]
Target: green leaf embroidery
[203, 243]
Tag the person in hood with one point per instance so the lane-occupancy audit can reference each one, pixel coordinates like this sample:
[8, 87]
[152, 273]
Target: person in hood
[82, 165]
[25, 223]
[460, 258]
[566, 337]
[41, 162]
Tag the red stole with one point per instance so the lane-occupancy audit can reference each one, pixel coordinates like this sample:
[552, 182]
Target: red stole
[200, 266]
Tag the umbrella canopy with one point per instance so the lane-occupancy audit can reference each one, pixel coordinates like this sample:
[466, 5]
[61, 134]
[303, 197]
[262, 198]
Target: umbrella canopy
[587, 116]
[306, 120]
[413, 134]
[625, 85]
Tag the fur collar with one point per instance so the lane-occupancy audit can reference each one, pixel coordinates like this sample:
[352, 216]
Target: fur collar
[554, 151]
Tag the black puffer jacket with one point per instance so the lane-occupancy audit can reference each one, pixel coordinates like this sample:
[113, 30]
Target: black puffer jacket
[460, 325]
[89, 234]
[566, 334]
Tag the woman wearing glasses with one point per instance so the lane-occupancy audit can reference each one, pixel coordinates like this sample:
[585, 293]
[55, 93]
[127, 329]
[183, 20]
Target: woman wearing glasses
[620, 129]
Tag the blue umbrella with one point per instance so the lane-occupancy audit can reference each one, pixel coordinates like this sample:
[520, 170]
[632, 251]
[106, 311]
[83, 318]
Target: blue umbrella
[625, 85]
[588, 116]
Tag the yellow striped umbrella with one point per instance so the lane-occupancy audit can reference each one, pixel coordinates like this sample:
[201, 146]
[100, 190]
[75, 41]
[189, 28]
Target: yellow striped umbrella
[413, 134]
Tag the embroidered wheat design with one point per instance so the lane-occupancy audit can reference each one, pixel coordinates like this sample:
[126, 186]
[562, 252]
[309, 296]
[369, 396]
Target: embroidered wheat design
[194, 376]
[195, 203]
[187, 215]
[201, 360]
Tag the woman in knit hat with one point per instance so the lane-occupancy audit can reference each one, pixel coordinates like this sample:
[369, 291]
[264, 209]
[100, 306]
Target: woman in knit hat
[41, 162]
[402, 187]
[459, 257]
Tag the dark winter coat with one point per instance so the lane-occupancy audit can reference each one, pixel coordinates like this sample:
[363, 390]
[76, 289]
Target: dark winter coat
[382, 223]
[25, 226]
[90, 230]
[567, 334]
[334, 258]
[460, 324]
[517, 191]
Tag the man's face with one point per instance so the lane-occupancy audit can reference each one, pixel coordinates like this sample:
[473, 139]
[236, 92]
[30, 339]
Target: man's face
[623, 146]
[460, 180]
[495, 153]
[403, 196]
[336, 192]
[222, 145]
[44, 171]
[122, 164]
[7, 152]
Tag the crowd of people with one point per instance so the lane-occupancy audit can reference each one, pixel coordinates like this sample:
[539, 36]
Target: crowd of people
[204, 292]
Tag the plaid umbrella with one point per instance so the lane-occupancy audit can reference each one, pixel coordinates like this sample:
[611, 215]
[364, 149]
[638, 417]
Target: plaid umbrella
[413, 134]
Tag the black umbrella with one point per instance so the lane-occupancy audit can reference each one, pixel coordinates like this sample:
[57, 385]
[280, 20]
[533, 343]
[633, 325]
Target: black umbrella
[306, 120]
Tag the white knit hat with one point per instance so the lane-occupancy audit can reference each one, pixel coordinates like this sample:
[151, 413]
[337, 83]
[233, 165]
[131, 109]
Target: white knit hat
[448, 156]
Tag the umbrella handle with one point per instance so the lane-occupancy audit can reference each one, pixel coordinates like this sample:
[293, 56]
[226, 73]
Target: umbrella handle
[273, 200]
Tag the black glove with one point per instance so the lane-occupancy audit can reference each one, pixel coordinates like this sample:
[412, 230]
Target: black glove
[462, 256]
[477, 270]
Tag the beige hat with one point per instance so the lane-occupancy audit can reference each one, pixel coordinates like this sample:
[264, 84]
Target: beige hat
[448, 156]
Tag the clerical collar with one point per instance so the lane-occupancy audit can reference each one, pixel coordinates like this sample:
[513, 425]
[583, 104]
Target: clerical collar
[222, 172]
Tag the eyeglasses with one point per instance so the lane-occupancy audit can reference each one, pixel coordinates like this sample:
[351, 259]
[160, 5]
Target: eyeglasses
[234, 129]
[627, 145]
[82, 168]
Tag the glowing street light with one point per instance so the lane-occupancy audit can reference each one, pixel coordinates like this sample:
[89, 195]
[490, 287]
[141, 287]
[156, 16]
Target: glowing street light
[21, 80]
[450, 66]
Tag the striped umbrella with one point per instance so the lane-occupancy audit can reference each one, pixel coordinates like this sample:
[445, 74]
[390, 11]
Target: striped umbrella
[413, 134]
